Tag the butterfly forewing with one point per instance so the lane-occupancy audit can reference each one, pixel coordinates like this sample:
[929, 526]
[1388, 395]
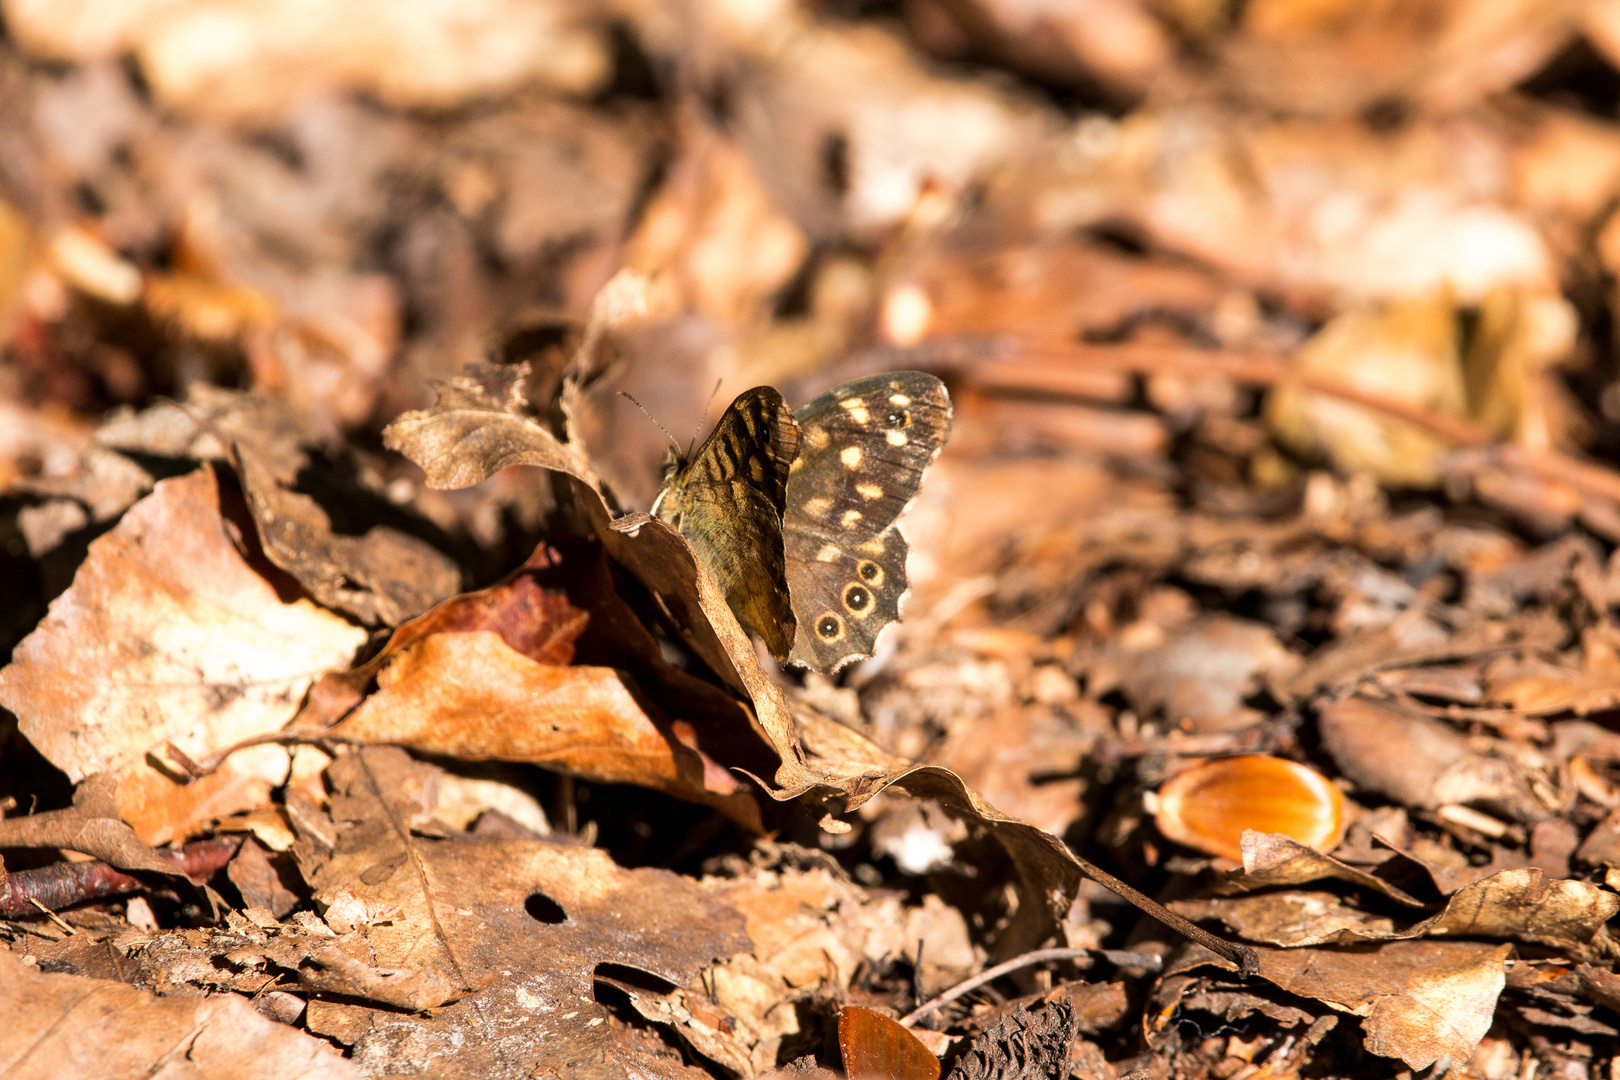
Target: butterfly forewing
[727, 502]
[865, 448]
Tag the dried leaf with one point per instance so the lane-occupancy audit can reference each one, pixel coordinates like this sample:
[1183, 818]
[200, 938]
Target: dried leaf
[538, 622]
[471, 696]
[523, 923]
[382, 576]
[91, 826]
[477, 428]
[1419, 761]
[167, 635]
[66, 1025]
[1419, 1000]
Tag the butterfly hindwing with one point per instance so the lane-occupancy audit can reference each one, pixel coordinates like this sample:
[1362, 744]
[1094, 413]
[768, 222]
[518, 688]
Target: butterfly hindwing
[843, 596]
[865, 447]
[727, 501]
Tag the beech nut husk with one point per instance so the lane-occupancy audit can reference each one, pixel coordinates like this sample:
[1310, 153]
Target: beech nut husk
[1212, 804]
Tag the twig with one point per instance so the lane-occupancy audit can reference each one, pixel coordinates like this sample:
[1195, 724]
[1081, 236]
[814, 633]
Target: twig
[1246, 959]
[51, 915]
[62, 885]
[1037, 956]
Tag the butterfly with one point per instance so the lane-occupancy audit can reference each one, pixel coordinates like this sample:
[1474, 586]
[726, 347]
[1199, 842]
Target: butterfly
[794, 513]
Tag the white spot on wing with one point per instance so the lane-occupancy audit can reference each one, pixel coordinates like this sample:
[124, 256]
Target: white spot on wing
[816, 437]
[828, 553]
[818, 506]
[899, 399]
[869, 491]
[856, 408]
[895, 438]
[850, 456]
[850, 517]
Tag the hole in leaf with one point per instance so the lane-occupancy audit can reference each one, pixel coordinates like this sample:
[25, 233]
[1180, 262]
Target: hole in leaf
[543, 908]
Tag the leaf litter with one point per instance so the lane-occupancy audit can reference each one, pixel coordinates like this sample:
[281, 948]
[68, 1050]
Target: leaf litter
[360, 720]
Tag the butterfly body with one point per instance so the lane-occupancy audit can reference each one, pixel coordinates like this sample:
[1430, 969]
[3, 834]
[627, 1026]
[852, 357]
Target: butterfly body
[794, 513]
[726, 500]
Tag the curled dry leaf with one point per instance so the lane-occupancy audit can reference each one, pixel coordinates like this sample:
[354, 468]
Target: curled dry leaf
[524, 922]
[91, 826]
[383, 576]
[478, 427]
[168, 635]
[1212, 805]
[67, 1025]
[1519, 904]
[1419, 1000]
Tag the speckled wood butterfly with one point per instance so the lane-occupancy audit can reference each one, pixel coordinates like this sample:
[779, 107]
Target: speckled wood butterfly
[794, 514]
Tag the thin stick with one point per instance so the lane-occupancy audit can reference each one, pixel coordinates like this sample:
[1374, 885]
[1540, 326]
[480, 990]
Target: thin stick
[1037, 956]
[1246, 959]
[51, 915]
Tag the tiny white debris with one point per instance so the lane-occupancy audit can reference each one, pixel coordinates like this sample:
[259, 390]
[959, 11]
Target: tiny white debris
[529, 1000]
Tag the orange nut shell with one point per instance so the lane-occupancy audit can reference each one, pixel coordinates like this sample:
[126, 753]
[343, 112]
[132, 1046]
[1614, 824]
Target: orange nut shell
[1212, 804]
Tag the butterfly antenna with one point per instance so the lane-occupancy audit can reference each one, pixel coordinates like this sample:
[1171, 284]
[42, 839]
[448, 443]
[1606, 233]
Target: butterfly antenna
[707, 405]
[672, 440]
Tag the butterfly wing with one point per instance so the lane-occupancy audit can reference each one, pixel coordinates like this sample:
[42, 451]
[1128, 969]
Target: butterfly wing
[865, 447]
[727, 502]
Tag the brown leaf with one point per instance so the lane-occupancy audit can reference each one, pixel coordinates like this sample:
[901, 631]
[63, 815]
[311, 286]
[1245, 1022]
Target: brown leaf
[1519, 904]
[522, 923]
[471, 696]
[1201, 672]
[1273, 859]
[167, 635]
[91, 826]
[477, 428]
[1419, 1000]
[66, 1025]
[382, 576]
[538, 622]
